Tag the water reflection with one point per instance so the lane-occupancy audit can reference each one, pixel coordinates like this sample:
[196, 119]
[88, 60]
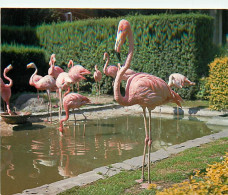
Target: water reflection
[33, 158]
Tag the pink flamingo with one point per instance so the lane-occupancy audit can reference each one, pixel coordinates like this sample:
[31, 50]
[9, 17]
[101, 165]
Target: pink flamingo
[72, 101]
[77, 69]
[97, 77]
[63, 81]
[45, 83]
[143, 89]
[54, 71]
[36, 78]
[6, 88]
[110, 70]
[127, 74]
[179, 81]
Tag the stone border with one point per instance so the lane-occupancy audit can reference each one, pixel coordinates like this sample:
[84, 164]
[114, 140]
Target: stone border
[113, 169]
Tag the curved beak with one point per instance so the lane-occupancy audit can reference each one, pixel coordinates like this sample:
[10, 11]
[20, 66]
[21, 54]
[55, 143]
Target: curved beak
[9, 67]
[118, 56]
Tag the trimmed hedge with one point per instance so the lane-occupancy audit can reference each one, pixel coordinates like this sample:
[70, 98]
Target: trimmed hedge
[19, 35]
[19, 57]
[164, 44]
[217, 83]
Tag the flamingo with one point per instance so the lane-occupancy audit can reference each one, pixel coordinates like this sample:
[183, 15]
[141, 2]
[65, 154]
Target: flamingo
[54, 71]
[63, 81]
[72, 101]
[6, 88]
[178, 80]
[143, 89]
[97, 77]
[110, 70]
[45, 83]
[77, 69]
[127, 74]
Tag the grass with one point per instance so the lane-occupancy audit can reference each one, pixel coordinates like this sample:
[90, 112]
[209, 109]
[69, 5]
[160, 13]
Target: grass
[174, 169]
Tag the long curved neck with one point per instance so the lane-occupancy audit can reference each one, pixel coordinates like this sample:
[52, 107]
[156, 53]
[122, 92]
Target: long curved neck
[35, 73]
[117, 95]
[106, 63]
[7, 78]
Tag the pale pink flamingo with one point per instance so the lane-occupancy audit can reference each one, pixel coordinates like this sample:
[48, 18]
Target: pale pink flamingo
[63, 81]
[143, 89]
[36, 78]
[97, 77]
[54, 71]
[110, 70]
[45, 83]
[72, 101]
[127, 74]
[179, 81]
[6, 88]
[77, 69]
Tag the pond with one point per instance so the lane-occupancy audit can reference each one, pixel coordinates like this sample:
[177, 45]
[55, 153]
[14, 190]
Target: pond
[35, 154]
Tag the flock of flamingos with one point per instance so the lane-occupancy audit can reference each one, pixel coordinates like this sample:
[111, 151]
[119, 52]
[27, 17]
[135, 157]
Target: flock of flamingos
[143, 89]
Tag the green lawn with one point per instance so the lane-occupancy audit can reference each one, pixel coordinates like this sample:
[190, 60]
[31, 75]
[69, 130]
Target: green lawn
[174, 169]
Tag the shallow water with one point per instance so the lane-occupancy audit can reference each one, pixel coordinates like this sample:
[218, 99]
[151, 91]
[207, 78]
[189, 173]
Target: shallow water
[35, 154]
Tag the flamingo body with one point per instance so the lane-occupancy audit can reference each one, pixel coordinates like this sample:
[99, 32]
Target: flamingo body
[6, 88]
[72, 101]
[97, 75]
[178, 80]
[54, 71]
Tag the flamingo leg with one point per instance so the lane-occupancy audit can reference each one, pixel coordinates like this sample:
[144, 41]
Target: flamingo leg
[149, 146]
[60, 104]
[82, 114]
[49, 104]
[99, 86]
[145, 147]
[78, 86]
[74, 117]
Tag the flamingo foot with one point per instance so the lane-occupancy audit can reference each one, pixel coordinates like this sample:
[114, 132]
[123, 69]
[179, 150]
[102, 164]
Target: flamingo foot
[145, 185]
[140, 180]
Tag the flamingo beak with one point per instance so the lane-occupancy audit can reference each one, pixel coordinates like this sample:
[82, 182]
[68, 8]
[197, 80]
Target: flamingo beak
[118, 41]
[9, 67]
[30, 65]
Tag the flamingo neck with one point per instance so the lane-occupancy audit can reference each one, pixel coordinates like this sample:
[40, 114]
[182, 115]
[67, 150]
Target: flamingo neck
[7, 78]
[106, 64]
[64, 119]
[117, 95]
[35, 73]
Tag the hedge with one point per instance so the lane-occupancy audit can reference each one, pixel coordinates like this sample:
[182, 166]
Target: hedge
[164, 44]
[217, 83]
[19, 57]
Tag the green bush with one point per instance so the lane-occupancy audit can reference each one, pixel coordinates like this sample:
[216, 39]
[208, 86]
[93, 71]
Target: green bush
[164, 44]
[19, 57]
[217, 83]
[19, 35]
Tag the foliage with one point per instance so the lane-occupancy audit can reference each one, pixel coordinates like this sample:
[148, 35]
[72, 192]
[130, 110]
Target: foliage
[163, 44]
[217, 83]
[19, 57]
[203, 92]
[213, 180]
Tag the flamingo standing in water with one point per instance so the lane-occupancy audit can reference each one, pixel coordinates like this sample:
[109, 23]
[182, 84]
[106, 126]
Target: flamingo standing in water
[178, 80]
[54, 71]
[45, 83]
[97, 77]
[6, 88]
[77, 69]
[72, 101]
[143, 89]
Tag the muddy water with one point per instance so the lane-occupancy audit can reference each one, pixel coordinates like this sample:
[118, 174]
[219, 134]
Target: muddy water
[35, 154]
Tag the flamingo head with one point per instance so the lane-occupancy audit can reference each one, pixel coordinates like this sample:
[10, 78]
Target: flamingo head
[31, 65]
[70, 63]
[96, 68]
[123, 29]
[9, 67]
[119, 66]
[105, 56]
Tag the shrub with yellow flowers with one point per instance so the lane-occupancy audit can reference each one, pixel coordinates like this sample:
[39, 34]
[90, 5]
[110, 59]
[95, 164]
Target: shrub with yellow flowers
[217, 83]
[212, 181]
